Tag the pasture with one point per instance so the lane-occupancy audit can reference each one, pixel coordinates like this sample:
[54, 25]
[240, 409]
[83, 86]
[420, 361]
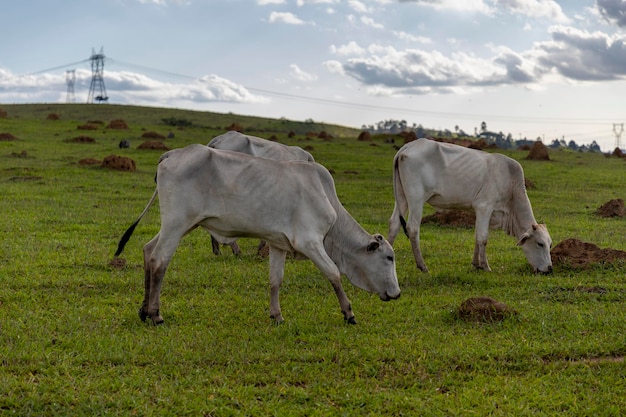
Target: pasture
[71, 342]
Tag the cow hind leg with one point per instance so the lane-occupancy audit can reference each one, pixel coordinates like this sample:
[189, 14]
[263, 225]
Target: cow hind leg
[157, 256]
[413, 231]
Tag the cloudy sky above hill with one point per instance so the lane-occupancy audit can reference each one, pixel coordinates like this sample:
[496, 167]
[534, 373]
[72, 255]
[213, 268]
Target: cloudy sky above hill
[532, 68]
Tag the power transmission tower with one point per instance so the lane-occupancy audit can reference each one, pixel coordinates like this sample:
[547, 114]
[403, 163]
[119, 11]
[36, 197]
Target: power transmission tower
[618, 134]
[97, 91]
[70, 77]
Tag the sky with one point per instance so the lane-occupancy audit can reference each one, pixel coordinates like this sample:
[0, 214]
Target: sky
[532, 68]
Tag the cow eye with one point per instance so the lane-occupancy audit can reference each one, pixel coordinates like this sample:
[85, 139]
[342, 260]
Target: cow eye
[541, 245]
[390, 258]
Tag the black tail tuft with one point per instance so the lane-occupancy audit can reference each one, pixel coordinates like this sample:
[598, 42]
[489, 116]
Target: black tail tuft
[403, 223]
[126, 237]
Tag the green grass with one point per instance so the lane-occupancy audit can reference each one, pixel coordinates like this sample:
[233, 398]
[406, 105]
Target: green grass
[71, 342]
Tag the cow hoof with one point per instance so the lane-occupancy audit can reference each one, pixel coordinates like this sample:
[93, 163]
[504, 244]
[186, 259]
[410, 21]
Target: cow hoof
[351, 320]
[157, 321]
[142, 314]
[277, 319]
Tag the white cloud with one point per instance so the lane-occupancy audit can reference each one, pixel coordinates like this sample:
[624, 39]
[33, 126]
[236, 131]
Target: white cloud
[352, 48]
[368, 21]
[411, 38]
[476, 6]
[614, 11]
[359, 6]
[535, 9]
[301, 75]
[266, 2]
[285, 17]
[334, 67]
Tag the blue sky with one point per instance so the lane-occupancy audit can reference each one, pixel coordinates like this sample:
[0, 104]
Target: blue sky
[532, 68]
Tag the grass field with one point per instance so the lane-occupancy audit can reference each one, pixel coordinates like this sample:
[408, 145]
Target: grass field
[71, 342]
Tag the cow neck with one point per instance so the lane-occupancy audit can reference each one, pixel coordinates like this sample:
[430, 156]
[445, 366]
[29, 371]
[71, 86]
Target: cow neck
[343, 240]
[520, 217]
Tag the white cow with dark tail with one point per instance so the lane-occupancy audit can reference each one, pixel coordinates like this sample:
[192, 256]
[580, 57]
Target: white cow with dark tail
[292, 205]
[255, 146]
[449, 176]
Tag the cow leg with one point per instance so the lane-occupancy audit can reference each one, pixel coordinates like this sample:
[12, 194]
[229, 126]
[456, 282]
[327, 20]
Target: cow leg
[147, 250]
[321, 259]
[215, 246]
[157, 256]
[481, 235]
[277, 271]
[235, 248]
[413, 230]
[394, 224]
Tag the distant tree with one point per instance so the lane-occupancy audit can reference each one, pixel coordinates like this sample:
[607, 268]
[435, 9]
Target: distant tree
[594, 147]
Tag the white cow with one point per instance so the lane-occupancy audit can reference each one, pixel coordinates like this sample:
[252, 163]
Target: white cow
[252, 145]
[449, 176]
[255, 146]
[292, 205]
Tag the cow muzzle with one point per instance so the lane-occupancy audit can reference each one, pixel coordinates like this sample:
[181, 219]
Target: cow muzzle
[386, 296]
[546, 272]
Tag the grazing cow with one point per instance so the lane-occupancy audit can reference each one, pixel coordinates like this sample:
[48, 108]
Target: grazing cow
[292, 205]
[453, 177]
[252, 145]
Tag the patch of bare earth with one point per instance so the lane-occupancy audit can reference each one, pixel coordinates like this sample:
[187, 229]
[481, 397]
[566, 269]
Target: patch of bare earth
[581, 255]
[119, 163]
[7, 137]
[117, 124]
[153, 144]
[612, 208]
[484, 310]
[81, 139]
[454, 218]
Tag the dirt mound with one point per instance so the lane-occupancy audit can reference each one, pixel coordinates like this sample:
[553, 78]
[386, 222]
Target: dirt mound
[87, 126]
[89, 161]
[53, 116]
[153, 144]
[484, 309]
[613, 208]
[236, 127]
[324, 135]
[364, 136]
[117, 124]
[22, 154]
[618, 152]
[580, 255]
[3, 114]
[120, 163]
[7, 137]
[455, 218]
[152, 135]
[409, 136]
[81, 139]
[538, 152]
[117, 263]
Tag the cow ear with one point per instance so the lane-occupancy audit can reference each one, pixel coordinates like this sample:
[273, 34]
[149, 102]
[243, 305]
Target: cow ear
[373, 246]
[523, 239]
[379, 237]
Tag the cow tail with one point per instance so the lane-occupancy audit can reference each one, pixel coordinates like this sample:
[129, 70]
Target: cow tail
[400, 198]
[131, 229]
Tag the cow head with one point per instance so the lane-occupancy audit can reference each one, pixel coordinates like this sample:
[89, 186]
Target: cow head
[374, 269]
[536, 243]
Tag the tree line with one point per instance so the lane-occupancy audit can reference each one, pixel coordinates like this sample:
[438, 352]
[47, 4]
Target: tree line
[501, 140]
